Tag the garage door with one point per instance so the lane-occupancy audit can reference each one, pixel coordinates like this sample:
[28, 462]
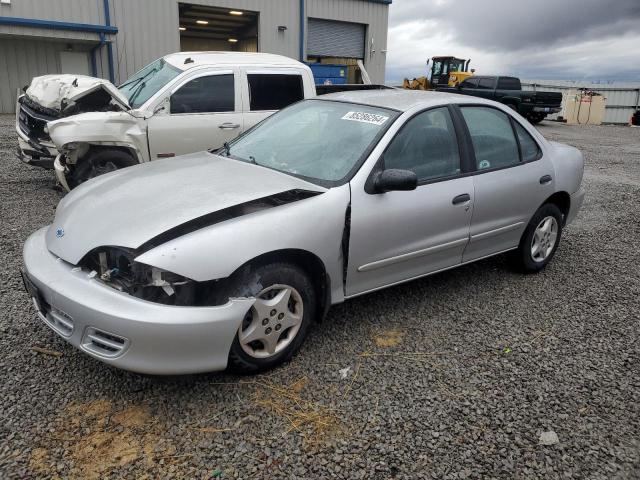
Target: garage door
[327, 38]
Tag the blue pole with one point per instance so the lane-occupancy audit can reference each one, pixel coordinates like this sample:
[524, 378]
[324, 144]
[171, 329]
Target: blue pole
[302, 24]
[107, 21]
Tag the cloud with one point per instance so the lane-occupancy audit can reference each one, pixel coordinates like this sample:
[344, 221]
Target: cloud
[571, 39]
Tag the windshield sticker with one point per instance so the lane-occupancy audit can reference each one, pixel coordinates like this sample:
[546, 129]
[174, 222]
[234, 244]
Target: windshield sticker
[365, 117]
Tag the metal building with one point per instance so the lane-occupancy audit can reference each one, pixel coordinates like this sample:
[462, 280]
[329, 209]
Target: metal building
[114, 38]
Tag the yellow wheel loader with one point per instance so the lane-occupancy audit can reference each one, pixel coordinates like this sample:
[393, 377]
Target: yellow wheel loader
[445, 72]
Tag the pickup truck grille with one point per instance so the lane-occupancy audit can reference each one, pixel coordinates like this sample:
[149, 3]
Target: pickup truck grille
[32, 119]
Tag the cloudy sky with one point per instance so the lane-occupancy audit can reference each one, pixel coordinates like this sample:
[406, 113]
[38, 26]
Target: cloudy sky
[541, 39]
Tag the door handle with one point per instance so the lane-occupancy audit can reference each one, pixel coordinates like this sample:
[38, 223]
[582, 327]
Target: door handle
[464, 198]
[545, 179]
[228, 126]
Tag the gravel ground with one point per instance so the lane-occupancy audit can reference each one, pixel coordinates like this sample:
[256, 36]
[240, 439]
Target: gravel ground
[454, 376]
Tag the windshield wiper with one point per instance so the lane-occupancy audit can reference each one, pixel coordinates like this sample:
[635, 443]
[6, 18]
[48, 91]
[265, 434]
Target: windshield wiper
[253, 160]
[139, 79]
[136, 93]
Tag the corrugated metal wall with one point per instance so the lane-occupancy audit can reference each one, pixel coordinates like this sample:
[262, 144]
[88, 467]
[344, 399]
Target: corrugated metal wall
[21, 60]
[77, 11]
[621, 99]
[148, 29]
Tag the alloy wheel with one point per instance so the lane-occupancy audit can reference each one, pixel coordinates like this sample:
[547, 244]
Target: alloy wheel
[544, 239]
[272, 322]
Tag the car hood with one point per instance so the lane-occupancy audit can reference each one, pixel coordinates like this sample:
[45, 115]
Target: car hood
[132, 206]
[59, 92]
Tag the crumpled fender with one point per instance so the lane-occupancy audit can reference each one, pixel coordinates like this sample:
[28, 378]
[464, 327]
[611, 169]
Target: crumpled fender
[102, 128]
[315, 225]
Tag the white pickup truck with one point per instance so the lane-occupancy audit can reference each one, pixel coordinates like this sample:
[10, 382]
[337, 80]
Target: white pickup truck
[182, 103]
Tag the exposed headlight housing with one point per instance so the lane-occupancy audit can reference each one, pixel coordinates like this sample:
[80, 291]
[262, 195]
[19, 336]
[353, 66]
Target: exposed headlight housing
[117, 268]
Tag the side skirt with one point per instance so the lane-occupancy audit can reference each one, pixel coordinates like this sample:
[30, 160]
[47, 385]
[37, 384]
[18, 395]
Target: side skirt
[427, 274]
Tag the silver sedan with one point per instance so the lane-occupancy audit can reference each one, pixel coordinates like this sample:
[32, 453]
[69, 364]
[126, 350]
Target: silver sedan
[225, 259]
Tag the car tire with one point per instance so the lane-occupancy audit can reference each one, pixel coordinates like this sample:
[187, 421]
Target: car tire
[283, 325]
[535, 118]
[98, 163]
[540, 239]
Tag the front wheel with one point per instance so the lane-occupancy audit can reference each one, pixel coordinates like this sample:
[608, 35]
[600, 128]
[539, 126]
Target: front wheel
[276, 325]
[540, 239]
[98, 163]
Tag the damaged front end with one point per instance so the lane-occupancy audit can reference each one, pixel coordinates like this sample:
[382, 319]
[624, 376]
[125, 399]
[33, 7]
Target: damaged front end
[52, 97]
[116, 267]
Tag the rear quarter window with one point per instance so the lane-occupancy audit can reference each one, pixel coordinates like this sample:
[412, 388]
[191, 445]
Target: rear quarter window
[509, 83]
[528, 146]
[274, 91]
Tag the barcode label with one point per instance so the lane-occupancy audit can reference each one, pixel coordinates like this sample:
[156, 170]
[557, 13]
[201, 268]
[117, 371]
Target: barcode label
[365, 117]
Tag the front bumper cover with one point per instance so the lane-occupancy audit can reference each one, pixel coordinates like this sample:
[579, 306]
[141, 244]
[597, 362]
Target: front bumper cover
[146, 337]
[38, 155]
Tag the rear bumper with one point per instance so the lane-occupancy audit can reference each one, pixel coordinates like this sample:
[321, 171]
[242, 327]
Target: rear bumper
[577, 199]
[125, 331]
[546, 109]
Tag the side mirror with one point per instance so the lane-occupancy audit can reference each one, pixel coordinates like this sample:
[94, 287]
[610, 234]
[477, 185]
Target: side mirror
[162, 107]
[395, 180]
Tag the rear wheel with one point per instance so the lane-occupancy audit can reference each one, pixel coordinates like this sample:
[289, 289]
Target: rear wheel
[276, 325]
[98, 163]
[540, 239]
[535, 118]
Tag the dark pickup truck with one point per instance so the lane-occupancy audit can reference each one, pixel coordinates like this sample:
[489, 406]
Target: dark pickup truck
[508, 90]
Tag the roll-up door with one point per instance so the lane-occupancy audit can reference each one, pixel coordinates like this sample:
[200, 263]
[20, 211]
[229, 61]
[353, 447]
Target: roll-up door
[327, 38]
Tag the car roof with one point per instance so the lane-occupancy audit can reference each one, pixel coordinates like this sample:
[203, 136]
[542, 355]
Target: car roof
[401, 99]
[228, 58]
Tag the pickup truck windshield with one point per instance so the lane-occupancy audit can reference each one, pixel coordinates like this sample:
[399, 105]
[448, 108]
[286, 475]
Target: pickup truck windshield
[322, 141]
[146, 82]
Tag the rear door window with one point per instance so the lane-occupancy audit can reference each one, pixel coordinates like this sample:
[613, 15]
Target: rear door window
[274, 91]
[508, 83]
[486, 83]
[494, 142]
[210, 94]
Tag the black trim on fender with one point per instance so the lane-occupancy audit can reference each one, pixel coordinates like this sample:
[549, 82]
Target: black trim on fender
[264, 203]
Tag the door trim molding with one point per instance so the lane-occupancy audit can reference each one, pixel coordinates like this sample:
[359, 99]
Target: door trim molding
[497, 231]
[399, 282]
[367, 267]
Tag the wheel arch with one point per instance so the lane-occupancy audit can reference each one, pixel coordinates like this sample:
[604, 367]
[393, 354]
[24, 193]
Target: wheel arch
[127, 148]
[307, 261]
[562, 200]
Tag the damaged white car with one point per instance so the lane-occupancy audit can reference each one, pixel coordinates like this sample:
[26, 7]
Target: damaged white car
[226, 259]
[181, 103]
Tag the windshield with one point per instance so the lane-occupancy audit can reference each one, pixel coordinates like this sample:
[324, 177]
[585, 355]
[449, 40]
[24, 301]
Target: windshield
[322, 141]
[457, 65]
[146, 82]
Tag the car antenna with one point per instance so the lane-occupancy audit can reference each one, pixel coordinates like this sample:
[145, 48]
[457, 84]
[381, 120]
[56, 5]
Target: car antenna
[188, 60]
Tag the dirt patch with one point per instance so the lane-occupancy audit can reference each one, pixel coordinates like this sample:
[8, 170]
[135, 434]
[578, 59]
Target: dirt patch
[99, 439]
[389, 338]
